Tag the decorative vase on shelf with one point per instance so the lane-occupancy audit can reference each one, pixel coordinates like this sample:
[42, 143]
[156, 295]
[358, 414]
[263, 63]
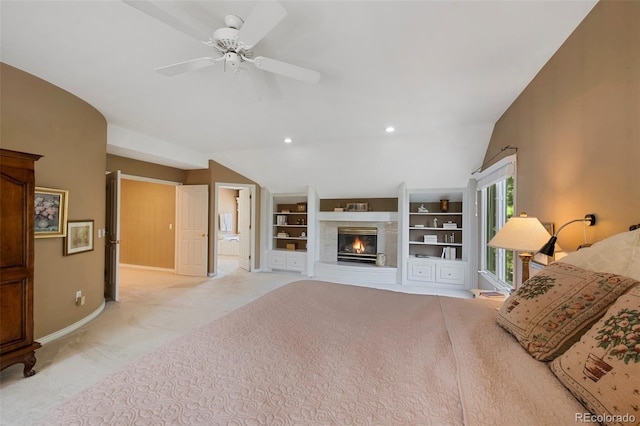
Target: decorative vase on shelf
[42, 223]
[444, 205]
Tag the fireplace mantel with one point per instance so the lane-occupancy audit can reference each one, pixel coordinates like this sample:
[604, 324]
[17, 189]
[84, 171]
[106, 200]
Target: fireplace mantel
[358, 216]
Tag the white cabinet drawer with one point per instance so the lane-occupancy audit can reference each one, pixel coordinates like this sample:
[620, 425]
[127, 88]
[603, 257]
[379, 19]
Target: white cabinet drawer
[422, 272]
[277, 260]
[285, 260]
[450, 274]
[295, 263]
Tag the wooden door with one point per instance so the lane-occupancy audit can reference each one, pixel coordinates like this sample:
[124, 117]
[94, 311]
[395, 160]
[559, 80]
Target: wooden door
[244, 228]
[112, 240]
[192, 230]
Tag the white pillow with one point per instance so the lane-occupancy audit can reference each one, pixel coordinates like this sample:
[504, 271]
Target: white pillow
[618, 254]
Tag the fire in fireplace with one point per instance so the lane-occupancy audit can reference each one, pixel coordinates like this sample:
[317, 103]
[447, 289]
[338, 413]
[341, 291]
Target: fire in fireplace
[357, 244]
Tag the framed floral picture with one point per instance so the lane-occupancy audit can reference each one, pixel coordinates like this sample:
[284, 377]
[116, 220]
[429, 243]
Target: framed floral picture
[79, 237]
[50, 210]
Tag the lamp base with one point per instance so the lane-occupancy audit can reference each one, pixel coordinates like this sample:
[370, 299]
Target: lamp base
[526, 258]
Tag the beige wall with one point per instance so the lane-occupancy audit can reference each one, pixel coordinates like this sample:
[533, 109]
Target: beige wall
[143, 169]
[40, 118]
[147, 224]
[222, 174]
[577, 128]
[215, 173]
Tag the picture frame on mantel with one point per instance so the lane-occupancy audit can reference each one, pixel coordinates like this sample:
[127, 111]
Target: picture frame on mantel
[50, 212]
[357, 207]
[79, 237]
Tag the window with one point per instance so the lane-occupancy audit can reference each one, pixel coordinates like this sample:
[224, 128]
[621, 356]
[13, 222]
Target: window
[496, 187]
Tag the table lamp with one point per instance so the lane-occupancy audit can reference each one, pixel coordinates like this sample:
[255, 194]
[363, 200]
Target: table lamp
[523, 234]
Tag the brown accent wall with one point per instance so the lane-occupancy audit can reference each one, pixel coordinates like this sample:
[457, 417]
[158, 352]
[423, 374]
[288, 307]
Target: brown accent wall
[144, 169]
[147, 224]
[577, 128]
[374, 204]
[40, 118]
[217, 173]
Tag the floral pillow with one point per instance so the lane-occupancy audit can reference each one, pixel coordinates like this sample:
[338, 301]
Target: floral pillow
[602, 370]
[554, 308]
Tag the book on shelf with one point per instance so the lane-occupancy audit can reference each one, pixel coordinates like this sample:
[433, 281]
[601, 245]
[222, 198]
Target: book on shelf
[448, 253]
[281, 220]
[491, 294]
[449, 225]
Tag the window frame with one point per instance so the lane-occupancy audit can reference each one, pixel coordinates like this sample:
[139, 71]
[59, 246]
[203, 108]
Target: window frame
[496, 176]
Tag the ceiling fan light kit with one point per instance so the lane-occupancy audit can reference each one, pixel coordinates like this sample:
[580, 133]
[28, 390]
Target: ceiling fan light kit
[232, 44]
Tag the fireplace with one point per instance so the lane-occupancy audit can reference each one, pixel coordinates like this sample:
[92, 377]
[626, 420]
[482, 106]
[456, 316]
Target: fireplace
[357, 244]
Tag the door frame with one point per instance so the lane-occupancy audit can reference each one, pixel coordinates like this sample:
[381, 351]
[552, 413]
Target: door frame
[216, 219]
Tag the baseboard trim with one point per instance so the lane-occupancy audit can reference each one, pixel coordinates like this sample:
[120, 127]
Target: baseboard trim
[76, 325]
[149, 268]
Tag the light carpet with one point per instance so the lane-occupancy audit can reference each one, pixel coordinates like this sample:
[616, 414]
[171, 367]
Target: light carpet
[155, 307]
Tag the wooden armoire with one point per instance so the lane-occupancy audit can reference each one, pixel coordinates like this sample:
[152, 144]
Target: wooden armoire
[17, 187]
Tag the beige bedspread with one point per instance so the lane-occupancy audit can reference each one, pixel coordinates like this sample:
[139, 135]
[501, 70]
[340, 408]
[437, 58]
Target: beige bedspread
[319, 353]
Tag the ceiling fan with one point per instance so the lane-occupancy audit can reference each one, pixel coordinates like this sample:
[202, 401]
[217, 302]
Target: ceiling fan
[232, 45]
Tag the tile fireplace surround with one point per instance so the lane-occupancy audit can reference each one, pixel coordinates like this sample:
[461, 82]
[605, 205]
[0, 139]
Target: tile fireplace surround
[387, 240]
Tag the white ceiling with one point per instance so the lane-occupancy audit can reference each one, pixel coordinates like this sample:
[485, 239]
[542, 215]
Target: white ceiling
[441, 72]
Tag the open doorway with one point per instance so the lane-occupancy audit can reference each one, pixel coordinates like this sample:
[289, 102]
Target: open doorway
[234, 227]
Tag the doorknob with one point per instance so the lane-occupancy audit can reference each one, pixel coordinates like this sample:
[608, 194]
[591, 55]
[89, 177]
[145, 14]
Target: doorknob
[203, 235]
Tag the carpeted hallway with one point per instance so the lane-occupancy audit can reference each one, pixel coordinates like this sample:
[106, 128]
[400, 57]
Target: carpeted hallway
[155, 307]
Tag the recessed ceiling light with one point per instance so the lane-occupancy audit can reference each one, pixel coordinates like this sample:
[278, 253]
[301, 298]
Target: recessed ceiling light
[288, 140]
[390, 129]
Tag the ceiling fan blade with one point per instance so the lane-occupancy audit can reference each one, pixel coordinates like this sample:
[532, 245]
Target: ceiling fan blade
[173, 16]
[262, 19]
[245, 83]
[287, 70]
[186, 66]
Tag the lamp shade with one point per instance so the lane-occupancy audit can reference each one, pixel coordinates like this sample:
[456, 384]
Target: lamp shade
[521, 233]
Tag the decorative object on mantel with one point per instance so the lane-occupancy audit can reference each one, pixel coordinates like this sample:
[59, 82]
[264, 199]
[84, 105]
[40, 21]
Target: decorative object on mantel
[338, 209]
[50, 212]
[357, 207]
[423, 209]
[524, 234]
[549, 247]
[444, 205]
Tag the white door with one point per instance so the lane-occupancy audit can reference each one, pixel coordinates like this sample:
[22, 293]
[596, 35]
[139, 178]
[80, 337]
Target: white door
[192, 230]
[244, 229]
[112, 237]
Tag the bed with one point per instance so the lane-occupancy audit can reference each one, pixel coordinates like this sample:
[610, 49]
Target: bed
[314, 352]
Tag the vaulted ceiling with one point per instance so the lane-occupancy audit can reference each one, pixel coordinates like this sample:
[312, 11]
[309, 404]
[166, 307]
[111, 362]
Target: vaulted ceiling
[440, 72]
